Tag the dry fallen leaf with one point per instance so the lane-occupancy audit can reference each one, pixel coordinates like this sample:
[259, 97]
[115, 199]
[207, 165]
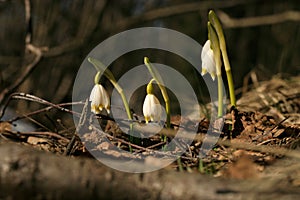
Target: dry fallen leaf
[242, 168]
[4, 127]
[105, 146]
[36, 140]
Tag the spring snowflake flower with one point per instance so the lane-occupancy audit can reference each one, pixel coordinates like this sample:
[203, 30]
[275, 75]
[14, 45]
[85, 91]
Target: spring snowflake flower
[99, 99]
[208, 62]
[151, 106]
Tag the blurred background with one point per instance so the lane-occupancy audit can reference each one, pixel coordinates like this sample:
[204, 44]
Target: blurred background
[43, 43]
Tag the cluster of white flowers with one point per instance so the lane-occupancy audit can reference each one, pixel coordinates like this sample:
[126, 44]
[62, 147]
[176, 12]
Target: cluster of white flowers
[99, 99]
[151, 107]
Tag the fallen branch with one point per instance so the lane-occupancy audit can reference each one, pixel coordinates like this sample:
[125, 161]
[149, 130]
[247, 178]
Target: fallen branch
[27, 172]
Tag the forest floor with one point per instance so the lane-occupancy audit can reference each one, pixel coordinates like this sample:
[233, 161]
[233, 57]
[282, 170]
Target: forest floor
[260, 139]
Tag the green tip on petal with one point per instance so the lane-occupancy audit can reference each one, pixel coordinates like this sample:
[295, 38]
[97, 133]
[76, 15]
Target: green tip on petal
[213, 76]
[204, 71]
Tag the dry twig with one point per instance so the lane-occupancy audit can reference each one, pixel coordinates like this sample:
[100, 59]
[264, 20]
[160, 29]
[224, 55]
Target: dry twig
[175, 10]
[230, 22]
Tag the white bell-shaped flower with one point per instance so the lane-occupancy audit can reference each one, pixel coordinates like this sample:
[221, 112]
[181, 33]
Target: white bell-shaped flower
[99, 99]
[151, 108]
[208, 62]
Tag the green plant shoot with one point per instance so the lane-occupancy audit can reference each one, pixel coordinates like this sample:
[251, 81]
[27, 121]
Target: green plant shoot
[212, 36]
[214, 20]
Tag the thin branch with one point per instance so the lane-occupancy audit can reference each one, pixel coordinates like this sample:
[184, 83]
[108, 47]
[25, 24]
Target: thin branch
[45, 109]
[45, 133]
[65, 47]
[237, 145]
[28, 48]
[24, 74]
[263, 149]
[147, 16]
[230, 22]
[140, 148]
[33, 98]
[176, 10]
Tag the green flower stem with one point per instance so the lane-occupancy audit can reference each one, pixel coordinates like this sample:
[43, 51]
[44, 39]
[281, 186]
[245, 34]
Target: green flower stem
[218, 27]
[97, 78]
[212, 35]
[231, 87]
[156, 76]
[220, 96]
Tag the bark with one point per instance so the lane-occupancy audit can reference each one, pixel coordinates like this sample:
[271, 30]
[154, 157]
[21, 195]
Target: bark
[32, 174]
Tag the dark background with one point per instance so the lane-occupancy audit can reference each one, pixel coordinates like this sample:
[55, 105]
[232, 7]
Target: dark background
[71, 29]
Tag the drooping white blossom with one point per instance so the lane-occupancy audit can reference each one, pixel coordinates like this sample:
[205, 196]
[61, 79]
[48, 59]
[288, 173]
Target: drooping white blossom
[151, 108]
[208, 62]
[99, 99]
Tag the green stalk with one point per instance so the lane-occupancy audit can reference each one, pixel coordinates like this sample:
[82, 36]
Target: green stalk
[97, 78]
[218, 27]
[220, 96]
[212, 35]
[231, 88]
[156, 76]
